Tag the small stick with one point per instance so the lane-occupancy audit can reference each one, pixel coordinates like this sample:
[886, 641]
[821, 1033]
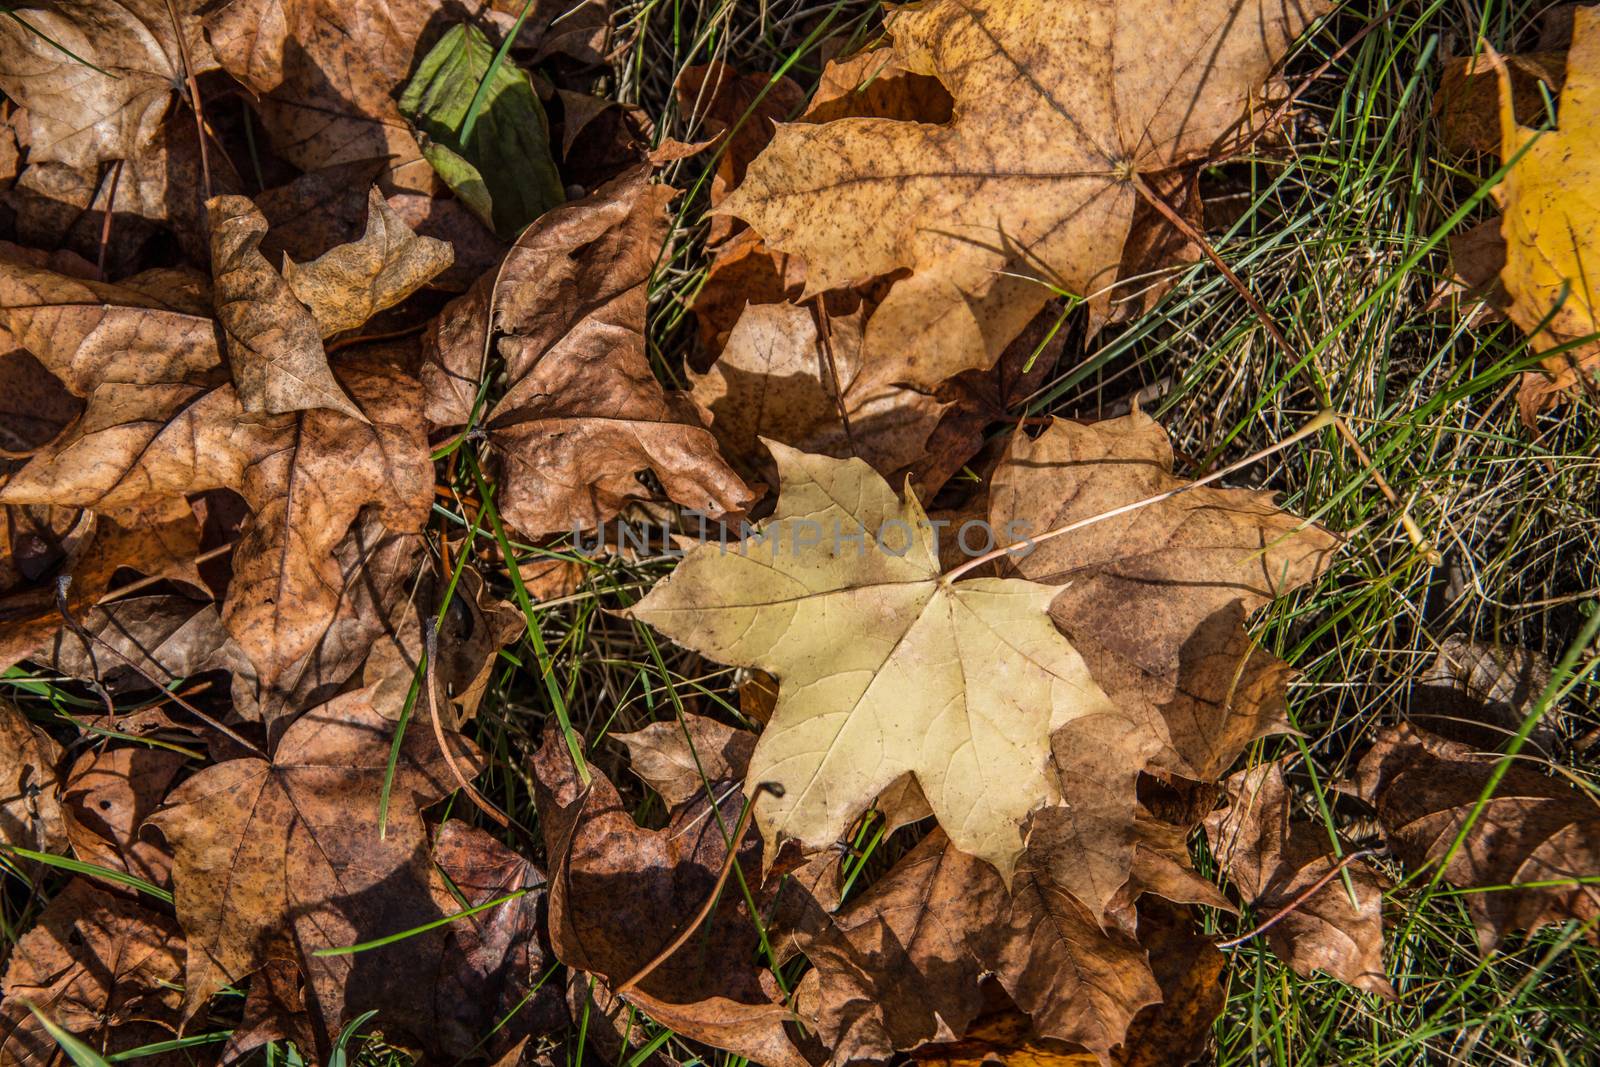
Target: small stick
[711, 899]
[825, 342]
[63, 583]
[144, 583]
[1418, 541]
[1300, 898]
[194, 100]
[105, 224]
[431, 645]
[1321, 421]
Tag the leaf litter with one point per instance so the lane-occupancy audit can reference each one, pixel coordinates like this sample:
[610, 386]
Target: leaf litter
[259, 811]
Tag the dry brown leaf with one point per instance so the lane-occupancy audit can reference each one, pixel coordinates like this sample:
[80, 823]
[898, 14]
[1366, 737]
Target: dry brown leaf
[350, 283]
[106, 798]
[620, 893]
[1059, 107]
[79, 115]
[30, 813]
[1273, 859]
[680, 759]
[1467, 103]
[1478, 693]
[901, 965]
[104, 968]
[582, 414]
[1161, 867]
[490, 963]
[883, 666]
[777, 379]
[274, 346]
[34, 406]
[161, 423]
[1533, 829]
[292, 846]
[1156, 597]
[275, 1006]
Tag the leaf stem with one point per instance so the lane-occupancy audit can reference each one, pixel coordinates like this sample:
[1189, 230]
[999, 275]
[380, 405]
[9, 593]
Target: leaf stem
[1322, 420]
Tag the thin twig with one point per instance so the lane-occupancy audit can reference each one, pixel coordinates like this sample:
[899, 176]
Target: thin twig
[430, 633]
[1300, 898]
[1320, 422]
[105, 223]
[63, 583]
[711, 898]
[825, 342]
[194, 99]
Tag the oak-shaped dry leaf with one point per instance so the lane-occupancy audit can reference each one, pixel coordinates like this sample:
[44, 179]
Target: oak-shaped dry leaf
[1272, 859]
[1533, 829]
[162, 423]
[1059, 108]
[900, 966]
[351, 282]
[883, 667]
[106, 798]
[102, 967]
[582, 414]
[292, 846]
[1155, 599]
[97, 76]
[30, 812]
[620, 893]
[1550, 202]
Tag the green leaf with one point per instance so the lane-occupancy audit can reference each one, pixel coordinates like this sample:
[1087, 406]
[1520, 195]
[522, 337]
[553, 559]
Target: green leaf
[502, 171]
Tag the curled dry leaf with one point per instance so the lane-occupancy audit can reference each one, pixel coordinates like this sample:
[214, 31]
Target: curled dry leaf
[1273, 859]
[97, 76]
[619, 894]
[900, 966]
[679, 760]
[1550, 201]
[1059, 109]
[161, 423]
[882, 666]
[1154, 599]
[1478, 693]
[105, 800]
[30, 813]
[102, 967]
[1533, 829]
[351, 282]
[292, 847]
[582, 414]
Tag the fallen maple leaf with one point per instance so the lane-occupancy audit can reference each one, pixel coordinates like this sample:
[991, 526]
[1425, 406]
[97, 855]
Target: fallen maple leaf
[1550, 200]
[262, 848]
[884, 666]
[102, 967]
[681, 759]
[582, 413]
[900, 966]
[1060, 108]
[1274, 859]
[618, 892]
[1155, 598]
[161, 423]
[1533, 829]
[97, 76]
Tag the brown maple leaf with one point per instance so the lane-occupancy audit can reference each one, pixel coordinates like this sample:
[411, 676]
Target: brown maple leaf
[900, 966]
[161, 422]
[1060, 108]
[582, 414]
[1179, 577]
[1533, 829]
[97, 76]
[100, 966]
[618, 894]
[1274, 859]
[106, 798]
[292, 847]
[681, 759]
